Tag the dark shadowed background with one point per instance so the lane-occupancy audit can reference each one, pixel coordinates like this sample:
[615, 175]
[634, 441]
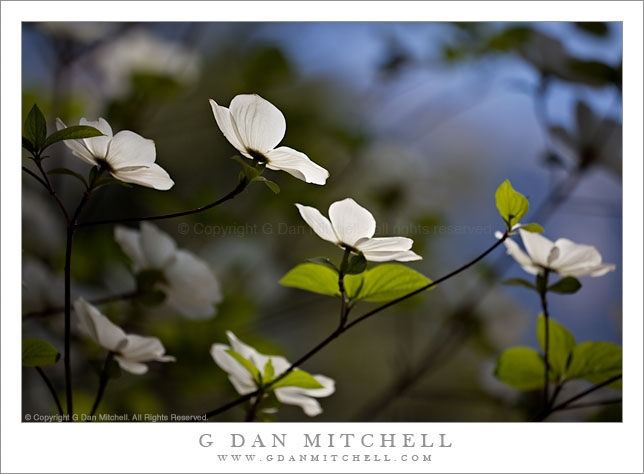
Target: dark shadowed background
[418, 122]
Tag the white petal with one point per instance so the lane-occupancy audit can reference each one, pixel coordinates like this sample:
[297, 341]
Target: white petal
[192, 288]
[397, 244]
[391, 255]
[600, 270]
[280, 364]
[130, 242]
[130, 149]
[328, 384]
[98, 146]
[131, 366]
[296, 164]
[227, 126]
[244, 349]
[152, 176]
[241, 379]
[521, 257]
[572, 255]
[295, 396]
[539, 248]
[77, 147]
[320, 224]
[158, 247]
[351, 221]
[261, 126]
[140, 348]
[105, 333]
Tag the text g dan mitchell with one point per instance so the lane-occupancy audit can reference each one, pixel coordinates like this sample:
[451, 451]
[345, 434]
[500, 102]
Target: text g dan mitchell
[327, 440]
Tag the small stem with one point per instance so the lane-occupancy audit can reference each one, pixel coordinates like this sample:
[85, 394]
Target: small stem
[542, 283]
[238, 189]
[52, 390]
[71, 227]
[344, 308]
[250, 416]
[102, 384]
[108, 299]
[593, 404]
[564, 405]
[344, 327]
[47, 184]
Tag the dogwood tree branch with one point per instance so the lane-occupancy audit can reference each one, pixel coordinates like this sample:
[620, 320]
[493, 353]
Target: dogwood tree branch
[52, 390]
[344, 326]
[567, 404]
[104, 378]
[243, 183]
[61, 309]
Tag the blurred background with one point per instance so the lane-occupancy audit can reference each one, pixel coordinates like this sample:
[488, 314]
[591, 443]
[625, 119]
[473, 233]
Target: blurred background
[418, 122]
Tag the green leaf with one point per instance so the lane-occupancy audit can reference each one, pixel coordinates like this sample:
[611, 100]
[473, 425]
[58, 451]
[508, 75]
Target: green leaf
[250, 172]
[75, 132]
[324, 261]
[560, 343]
[27, 145]
[520, 282]
[357, 264]
[298, 378]
[536, 228]
[269, 371]
[384, 283]
[521, 368]
[566, 285]
[245, 363]
[35, 128]
[38, 353]
[69, 172]
[269, 184]
[511, 205]
[596, 362]
[313, 277]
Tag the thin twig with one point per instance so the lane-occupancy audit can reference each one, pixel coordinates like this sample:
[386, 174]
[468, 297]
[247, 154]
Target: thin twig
[238, 189]
[61, 309]
[52, 390]
[102, 384]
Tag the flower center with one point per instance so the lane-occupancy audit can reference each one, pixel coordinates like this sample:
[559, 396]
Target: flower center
[257, 156]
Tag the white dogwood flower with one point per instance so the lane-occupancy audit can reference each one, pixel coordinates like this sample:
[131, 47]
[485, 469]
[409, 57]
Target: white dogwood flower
[131, 351]
[352, 227]
[254, 127]
[127, 156]
[188, 283]
[562, 256]
[244, 382]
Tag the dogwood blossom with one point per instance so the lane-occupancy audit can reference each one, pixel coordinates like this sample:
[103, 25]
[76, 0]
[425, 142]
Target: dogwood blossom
[127, 156]
[130, 350]
[352, 227]
[255, 127]
[244, 382]
[188, 283]
[562, 256]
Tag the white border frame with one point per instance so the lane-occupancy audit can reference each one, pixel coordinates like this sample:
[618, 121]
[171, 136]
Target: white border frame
[477, 447]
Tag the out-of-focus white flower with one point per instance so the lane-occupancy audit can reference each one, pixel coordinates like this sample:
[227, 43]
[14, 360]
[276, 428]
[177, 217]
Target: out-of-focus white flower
[141, 51]
[352, 227]
[255, 127]
[81, 31]
[562, 256]
[244, 383]
[128, 156]
[188, 283]
[131, 351]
